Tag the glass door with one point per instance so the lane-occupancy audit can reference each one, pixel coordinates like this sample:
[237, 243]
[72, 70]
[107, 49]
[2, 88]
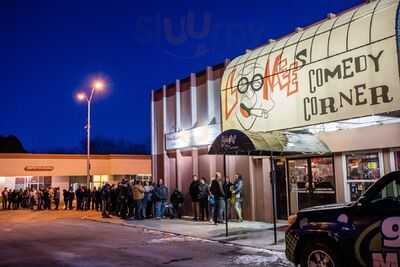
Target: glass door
[281, 189]
[312, 182]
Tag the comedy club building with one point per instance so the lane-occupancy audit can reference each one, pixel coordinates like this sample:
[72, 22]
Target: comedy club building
[324, 101]
[20, 171]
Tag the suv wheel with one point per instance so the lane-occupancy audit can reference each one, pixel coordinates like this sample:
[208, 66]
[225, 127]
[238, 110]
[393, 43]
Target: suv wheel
[319, 255]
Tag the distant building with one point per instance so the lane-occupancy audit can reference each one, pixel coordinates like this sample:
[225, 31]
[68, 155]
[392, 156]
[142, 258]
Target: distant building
[63, 170]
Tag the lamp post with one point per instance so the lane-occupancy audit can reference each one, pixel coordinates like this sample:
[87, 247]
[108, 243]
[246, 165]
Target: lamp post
[97, 86]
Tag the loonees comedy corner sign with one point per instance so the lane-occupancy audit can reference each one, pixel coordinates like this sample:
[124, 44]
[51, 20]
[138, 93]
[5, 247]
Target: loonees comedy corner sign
[344, 67]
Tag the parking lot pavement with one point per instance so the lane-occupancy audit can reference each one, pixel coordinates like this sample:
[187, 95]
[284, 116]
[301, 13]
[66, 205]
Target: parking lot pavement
[62, 238]
[247, 233]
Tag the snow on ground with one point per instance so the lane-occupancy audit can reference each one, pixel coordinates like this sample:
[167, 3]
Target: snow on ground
[255, 260]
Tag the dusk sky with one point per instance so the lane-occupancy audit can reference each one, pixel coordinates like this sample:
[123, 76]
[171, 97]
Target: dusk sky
[50, 49]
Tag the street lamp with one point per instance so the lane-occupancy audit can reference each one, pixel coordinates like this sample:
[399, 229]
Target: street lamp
[97, 85]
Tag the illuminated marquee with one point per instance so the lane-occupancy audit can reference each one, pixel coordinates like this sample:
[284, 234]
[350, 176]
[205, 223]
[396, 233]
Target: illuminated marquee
[341, 68]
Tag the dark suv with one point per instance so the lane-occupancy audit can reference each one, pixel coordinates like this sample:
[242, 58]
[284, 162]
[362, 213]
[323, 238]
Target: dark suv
[361, 233]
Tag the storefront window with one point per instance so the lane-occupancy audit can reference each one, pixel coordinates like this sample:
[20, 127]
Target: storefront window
[312, 182]
[322, 174]
[362, 171]
[298, 173]
[38, 182]
[397, 160]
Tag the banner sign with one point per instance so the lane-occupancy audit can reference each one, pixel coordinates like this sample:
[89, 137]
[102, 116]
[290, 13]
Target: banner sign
[342, 68]
[199, 136]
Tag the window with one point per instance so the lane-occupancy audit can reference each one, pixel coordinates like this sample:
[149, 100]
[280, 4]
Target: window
[322, 174]
[312, 182]
[397, 160]
[391, 192]
[363, 170]
[298, 173]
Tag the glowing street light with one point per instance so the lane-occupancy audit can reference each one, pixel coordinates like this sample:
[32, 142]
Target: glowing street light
[97, 85]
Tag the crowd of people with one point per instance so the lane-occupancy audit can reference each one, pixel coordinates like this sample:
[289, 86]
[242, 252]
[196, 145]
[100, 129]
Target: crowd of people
[214, 201]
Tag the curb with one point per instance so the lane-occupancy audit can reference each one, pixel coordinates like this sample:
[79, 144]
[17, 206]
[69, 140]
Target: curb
[182, 235]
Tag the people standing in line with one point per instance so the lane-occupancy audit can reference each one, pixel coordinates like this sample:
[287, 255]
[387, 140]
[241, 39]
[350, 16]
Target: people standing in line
[138, 195]
[78, 195]
[160, 197]
[71, 198]
[47, 199]
[97, 196]
[4, 198]
[65, 198]
[56, 197]
[147, 199]
[218, 192]
[114, 208]
[93, 198]
[194, 194]
[177, 200]
[123, 197]
[203, 199]
[105, 200]
[238, 187]
[85, 198]
[228, 189]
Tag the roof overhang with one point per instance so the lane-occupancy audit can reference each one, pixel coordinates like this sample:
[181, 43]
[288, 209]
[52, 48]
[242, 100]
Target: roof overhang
[235, 142]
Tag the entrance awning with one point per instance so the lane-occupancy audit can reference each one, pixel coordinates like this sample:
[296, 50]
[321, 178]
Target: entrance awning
[235, 142]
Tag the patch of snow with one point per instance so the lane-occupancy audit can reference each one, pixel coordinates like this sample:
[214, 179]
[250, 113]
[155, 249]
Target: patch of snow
[255, 260]
[167, 240]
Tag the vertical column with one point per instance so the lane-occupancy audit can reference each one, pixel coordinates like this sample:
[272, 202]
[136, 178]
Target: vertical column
[252, 189]
[178, 125]
[267, 197]
[339, 178]
[210, 96]
[195, 161]
[164, 102]
[179, 169]
[165, 161]
[193, 98]
[153, 137]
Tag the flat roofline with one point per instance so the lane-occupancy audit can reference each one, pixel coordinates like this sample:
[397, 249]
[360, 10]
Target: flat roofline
[70, 156]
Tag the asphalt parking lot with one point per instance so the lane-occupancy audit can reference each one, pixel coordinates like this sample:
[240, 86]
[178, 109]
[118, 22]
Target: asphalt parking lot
[62, 238]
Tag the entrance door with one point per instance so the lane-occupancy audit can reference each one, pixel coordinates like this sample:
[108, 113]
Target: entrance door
[281, 192]
[312, 182]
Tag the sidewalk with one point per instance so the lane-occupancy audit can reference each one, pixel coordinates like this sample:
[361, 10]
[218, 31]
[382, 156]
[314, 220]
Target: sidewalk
[248, 233]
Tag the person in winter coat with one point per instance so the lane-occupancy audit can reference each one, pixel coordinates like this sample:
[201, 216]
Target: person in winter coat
[79, 198]
[124, 193]
[237, 191]
[97, 196]
[71, 198]
[66, 198]
[105, 199]
[4, 198]
[147, 199]
[177, 200]
[194, 194]
[56, 197]
[217, 191]
[138, 195]
[203, 199]
[160, 197]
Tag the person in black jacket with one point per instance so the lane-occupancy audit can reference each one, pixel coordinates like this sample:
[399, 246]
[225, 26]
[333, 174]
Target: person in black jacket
[105, 199]
[203, 199]
[177, 200]
[160, 194]
[194, 194]
[66, 198]
[218, 192]
[79, 197]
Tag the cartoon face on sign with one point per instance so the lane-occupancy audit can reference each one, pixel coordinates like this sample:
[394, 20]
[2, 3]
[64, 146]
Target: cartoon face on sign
[244, 98]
